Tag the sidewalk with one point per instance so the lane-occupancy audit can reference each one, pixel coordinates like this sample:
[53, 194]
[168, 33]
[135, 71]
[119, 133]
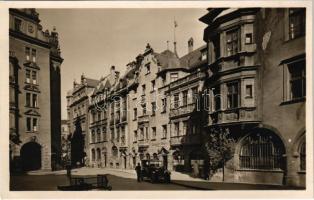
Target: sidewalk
[176, 178]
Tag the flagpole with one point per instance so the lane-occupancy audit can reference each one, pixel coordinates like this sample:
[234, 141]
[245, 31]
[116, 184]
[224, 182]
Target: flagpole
[174, 36]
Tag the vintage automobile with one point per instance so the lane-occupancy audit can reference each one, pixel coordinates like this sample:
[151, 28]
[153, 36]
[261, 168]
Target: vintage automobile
[155, 172]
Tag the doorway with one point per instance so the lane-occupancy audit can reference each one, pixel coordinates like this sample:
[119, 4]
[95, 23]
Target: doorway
[31, 156]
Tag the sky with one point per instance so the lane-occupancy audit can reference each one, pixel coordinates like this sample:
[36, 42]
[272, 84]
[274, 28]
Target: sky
[92, 40]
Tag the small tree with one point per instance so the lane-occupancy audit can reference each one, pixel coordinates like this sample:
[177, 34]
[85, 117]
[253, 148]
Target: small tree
[220, 148]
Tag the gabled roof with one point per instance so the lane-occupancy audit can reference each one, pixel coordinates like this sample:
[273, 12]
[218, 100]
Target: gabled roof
[167, 60]
[193, 58]
[91, 82]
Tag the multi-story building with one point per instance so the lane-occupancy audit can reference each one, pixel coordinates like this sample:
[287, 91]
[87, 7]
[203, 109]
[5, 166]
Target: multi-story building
[99, 121]
[186, 110]
[35, 112]
[78, 101]
[256, 67]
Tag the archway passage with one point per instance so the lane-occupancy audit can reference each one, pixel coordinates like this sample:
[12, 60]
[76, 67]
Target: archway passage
[31, 156]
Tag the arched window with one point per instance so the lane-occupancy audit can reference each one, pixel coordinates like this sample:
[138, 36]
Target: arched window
[302, 151]
[155, 156]
[93, 154]
[262, 151]
[98, 154]
[93, 136]
[98, 135]
[114, 151]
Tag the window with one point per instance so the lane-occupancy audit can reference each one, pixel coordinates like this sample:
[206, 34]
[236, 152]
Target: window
[173, 77]
[93, 136]
[93, 155]
[98, 154]
[296, 22]
[134, 113]
[185, 98]
[204, 56]
[34, 77]
[28, 99]
[135, 136]
[153, 85]
[164, 131]
[143, 89]
[262, 151]
[147, 68]
[118, 134]
[303, 156]
[35, 101]
[248, 38]
[144, 109]
[233, 95]
[146, 133]
[233, 42]
[248, 91]
[176, 101]
[28, 124]
[153, 108]
[34, 55]
[28, 75]
[142, 134]
[164, 104]
[104, 133]
[194, 95]
[297, 79]
[185, 126]
[35, 124]
[153, 132]
[176, 129]
[17, 24]
[99, 116]
[217, 98]
[114, 151]
[98, 135]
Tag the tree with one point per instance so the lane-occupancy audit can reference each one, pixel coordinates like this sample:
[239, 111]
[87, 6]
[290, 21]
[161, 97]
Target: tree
[77, 145]
[220, 148]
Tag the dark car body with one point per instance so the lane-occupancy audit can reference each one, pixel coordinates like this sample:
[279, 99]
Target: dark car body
[155, 172]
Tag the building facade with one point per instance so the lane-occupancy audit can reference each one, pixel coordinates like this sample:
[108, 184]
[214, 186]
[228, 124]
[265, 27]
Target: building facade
[65, 143]
[249, 80]
[35, 112]
[78, 101]
[256, 67]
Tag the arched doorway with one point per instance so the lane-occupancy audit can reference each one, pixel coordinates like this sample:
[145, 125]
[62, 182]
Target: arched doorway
[31, 156]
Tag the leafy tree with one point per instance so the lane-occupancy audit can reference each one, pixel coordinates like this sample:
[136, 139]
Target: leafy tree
[220, 148]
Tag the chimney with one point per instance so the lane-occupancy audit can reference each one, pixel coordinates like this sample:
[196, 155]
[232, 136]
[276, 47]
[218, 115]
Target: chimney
[190, 45]
[112, 70]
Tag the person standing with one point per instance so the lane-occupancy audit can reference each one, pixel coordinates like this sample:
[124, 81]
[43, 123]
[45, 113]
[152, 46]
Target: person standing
[138, 170]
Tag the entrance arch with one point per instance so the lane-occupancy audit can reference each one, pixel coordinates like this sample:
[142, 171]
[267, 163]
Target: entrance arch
[31, 156]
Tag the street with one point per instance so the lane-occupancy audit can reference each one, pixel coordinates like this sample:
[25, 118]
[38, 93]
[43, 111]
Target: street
[50, 183]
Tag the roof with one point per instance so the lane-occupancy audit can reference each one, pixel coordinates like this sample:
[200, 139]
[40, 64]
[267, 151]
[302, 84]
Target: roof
[168, 60]
[193, 58]
[226, 12]
[91, 82]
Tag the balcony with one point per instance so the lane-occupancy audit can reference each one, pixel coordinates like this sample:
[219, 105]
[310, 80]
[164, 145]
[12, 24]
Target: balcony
[236, 115]
[143, 119]
[192, 139]
[143, 143]
[187, 79]
[183, 110]
[176, 140]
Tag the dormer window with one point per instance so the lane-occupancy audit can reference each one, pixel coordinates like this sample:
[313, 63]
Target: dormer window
[147, 68]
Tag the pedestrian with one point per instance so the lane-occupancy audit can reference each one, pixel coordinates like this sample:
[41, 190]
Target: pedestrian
[138, 170]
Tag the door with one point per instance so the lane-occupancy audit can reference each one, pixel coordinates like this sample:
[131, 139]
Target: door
[31, 156]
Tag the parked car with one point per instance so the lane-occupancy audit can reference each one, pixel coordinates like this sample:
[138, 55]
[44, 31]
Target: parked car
[155, 172]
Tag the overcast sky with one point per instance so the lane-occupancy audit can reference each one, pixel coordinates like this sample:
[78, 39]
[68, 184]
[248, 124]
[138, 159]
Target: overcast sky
[92, 40]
